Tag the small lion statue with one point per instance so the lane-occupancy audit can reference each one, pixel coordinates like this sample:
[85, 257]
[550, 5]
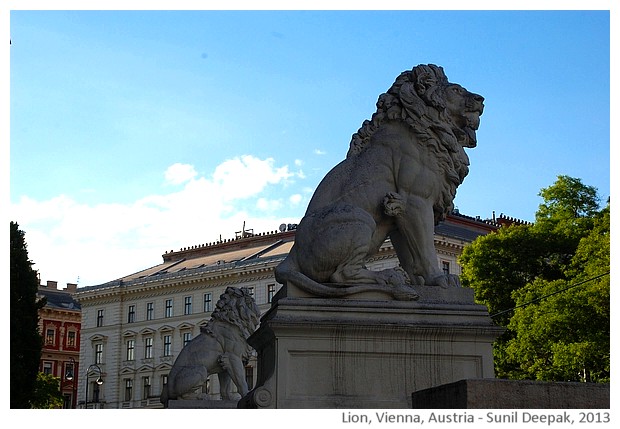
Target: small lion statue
[221, 348]
[399, 180]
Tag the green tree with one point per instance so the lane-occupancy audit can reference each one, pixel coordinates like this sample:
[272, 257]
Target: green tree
[561, 328]
[26, 341]
[524, 263]
[47, 392]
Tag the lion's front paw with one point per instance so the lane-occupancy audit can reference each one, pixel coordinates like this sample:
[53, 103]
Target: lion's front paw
[393, 204]
[405, 292]
[396, 276]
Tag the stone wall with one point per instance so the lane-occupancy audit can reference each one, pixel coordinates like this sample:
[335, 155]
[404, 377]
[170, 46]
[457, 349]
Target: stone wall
[514, 394]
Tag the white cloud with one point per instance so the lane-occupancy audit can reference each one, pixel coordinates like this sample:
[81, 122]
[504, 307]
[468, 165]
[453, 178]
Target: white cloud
[179, 173]
[319, 152]
[295, 199]
[267, 205]
[246, 176]
[102, 242]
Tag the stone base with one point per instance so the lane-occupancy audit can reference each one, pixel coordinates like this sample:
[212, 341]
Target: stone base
[201, 404]
[513, 394]
[368, 353]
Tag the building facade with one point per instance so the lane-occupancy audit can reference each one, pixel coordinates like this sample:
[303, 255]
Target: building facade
[60, 325]
[134, 327]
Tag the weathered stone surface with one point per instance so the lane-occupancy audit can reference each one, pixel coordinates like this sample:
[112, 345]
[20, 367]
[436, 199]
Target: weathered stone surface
[399, 179]
[513, 394]
[201, 404]
[349, 353]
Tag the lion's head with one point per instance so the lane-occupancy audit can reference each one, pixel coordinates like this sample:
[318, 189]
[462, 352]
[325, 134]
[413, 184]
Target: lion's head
[443, 115]
[236, 307]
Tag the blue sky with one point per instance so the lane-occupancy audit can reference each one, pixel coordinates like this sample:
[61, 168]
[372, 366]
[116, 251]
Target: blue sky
[133, 133]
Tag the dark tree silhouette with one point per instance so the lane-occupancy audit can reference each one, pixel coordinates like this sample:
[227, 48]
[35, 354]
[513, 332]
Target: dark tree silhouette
[26, 341]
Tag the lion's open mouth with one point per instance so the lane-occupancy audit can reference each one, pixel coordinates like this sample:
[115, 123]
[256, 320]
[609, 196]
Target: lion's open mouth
[473, 119]
[472, 122]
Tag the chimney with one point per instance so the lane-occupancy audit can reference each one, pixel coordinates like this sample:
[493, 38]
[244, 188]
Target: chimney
[52, 284]
[71, 287]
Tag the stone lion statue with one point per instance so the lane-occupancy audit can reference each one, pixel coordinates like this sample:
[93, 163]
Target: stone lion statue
[399, 179]
[220, 348]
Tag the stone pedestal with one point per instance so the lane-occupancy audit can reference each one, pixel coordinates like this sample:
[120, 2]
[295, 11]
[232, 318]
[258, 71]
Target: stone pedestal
[367, 351]
[201, 404]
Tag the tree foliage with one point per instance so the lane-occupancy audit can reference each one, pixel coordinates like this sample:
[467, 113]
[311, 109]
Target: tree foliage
[26, 341]
[548, 284]
[47, 392]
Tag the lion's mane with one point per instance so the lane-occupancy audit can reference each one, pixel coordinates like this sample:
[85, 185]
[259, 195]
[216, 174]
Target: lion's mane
[417, 98]
[235, 307]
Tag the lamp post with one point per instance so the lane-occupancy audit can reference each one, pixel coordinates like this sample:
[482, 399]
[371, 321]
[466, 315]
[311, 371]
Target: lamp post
[71, 376]
[99, 381]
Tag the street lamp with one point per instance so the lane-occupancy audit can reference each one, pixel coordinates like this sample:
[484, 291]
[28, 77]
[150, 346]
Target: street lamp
[99, 381]
[71, 376]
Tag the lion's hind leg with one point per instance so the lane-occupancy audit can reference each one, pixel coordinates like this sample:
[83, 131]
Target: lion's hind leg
[189, 382]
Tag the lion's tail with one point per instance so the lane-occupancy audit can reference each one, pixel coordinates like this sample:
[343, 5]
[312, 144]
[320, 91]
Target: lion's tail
[288, 272]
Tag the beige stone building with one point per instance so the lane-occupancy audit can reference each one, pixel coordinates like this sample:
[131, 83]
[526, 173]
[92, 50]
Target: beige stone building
[134, 327]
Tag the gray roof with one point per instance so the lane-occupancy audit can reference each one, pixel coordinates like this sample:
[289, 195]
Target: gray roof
[457, 226]
[60, 300]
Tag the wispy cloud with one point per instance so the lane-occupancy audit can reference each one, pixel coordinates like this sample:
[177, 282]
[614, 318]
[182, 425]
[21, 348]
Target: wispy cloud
[179, 173]
[319, 152]
[101, 242]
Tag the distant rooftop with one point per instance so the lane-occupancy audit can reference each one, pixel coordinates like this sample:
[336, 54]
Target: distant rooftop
[248, 249]
[59, 298]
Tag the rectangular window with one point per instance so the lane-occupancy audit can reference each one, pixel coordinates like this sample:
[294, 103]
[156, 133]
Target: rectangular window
[131, 346]
[71, 335]
[98, 353]
[131, 314]
[66, 401]
[249, 377]
[149, 311]
[148, 348]
[128, 389]
[271, 291]
[146, 387]
[167, 345]
[187, 337]
[207, 303]
[168, 311]
[188, 305]
[47, 368]
[50, 336]
[69, 371]
[95, 389]
[445, 266]
[99, 318]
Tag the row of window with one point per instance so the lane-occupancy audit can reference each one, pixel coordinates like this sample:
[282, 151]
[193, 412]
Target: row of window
[168, 309]
[149, 352]
[207, 306]
[147, 385]
[51, 336]
[130, 346]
